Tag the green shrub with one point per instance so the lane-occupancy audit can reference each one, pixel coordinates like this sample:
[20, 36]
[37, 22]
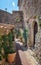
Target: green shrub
[25, 34]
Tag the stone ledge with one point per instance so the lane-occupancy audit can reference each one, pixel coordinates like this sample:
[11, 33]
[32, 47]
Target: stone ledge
[23, 58]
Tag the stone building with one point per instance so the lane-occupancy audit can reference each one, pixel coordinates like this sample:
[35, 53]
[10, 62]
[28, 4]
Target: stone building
[32, 14]
[15, 18]
[31, 10]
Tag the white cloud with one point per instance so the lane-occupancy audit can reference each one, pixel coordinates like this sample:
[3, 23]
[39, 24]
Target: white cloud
[13, 3]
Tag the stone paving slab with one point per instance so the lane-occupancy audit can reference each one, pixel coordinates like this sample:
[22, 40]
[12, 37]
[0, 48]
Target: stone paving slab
[29, 55]
[23, 58]
[30, 58]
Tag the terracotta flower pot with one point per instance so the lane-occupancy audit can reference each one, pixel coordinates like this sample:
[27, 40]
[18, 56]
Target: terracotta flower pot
[11, 57]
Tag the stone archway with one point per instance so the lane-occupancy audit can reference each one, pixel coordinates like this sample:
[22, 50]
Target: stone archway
[35, 31]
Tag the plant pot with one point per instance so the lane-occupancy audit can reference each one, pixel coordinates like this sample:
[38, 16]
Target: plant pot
[11, 57]
[2, 62]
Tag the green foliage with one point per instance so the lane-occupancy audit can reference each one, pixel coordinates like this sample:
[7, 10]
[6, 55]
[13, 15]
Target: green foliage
[40, 23]
[1, 54]
[9, 50]
[10, 39]
[39, 20]
[6, 43]
[4, 38]
[18, 19]
[25, 34]
[0, 44]
[17, 32]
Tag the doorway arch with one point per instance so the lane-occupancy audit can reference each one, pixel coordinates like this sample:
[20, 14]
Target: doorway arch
[35, 32]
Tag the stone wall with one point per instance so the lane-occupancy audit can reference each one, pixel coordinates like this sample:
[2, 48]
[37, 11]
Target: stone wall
[5, 17]
[37, 49]
[31, 9]
[15, 18]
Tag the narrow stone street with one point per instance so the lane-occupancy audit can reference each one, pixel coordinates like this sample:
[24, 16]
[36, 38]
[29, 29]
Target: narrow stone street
[20, 32]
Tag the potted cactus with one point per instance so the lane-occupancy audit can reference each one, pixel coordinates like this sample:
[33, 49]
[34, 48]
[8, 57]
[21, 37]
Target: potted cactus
[11, 50]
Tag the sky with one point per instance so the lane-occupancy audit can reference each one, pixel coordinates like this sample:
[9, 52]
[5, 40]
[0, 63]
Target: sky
[10, 5]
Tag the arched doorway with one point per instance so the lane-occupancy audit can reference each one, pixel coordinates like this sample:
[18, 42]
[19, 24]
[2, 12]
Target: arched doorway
[35, 31]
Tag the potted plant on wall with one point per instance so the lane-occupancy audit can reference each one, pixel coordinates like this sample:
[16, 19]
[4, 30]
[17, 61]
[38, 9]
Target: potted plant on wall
[11, 50]
[8, 47]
